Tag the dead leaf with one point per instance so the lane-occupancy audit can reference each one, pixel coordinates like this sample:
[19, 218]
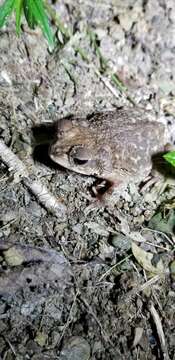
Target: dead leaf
[172, 270]
[150, 262]
[138, 336]
[41, 338]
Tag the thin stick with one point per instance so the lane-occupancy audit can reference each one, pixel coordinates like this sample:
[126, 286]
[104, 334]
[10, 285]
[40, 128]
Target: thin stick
[35, 186]
[107, 83]
[156, 246]
[113, 267]
[160, 331]
[161, 233]
[11, 346]
[136, 290]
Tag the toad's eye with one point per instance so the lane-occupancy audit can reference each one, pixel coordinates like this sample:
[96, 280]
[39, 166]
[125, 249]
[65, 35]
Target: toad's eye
[79, 155]
[79, 161]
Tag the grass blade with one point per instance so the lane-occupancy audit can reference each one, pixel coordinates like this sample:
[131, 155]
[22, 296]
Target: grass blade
[57, 21]
[37, 8]
[5, 11]
[18, 7]
[29, 14]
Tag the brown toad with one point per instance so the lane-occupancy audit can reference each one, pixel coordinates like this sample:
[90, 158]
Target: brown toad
[116, 145]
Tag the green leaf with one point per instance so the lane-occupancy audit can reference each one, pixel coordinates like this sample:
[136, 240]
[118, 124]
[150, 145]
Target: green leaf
[37, 8]
[29, 14]
[18, 7]
[170, 157]
[6, 10]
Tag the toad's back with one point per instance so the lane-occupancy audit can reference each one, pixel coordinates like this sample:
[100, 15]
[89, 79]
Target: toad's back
[113, 145]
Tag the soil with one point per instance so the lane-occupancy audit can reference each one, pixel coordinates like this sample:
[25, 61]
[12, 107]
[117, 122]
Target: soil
[72, 287]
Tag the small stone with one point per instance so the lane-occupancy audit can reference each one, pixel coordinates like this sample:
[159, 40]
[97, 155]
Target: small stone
[77, 349]
[27, 308]
[126, 20]
[121, 242]
[13, 257]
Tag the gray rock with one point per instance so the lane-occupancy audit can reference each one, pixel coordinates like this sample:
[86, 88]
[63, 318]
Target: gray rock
[77, 349]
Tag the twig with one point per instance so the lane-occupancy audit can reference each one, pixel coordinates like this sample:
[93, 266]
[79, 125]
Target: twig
[113, 267]
[161, 233]
[136, 290]
[106, 82]
[150, 282]
[11, 346]
[156, 246]
[160, 332]
[35, 186]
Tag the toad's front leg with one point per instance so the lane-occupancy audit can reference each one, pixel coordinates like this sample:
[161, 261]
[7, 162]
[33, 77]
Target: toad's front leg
[102, 190]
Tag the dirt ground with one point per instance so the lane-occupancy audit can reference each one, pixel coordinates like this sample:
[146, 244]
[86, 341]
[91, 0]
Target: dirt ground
[71, 283]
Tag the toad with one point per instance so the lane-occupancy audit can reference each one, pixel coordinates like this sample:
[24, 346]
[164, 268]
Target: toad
[116, 146]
